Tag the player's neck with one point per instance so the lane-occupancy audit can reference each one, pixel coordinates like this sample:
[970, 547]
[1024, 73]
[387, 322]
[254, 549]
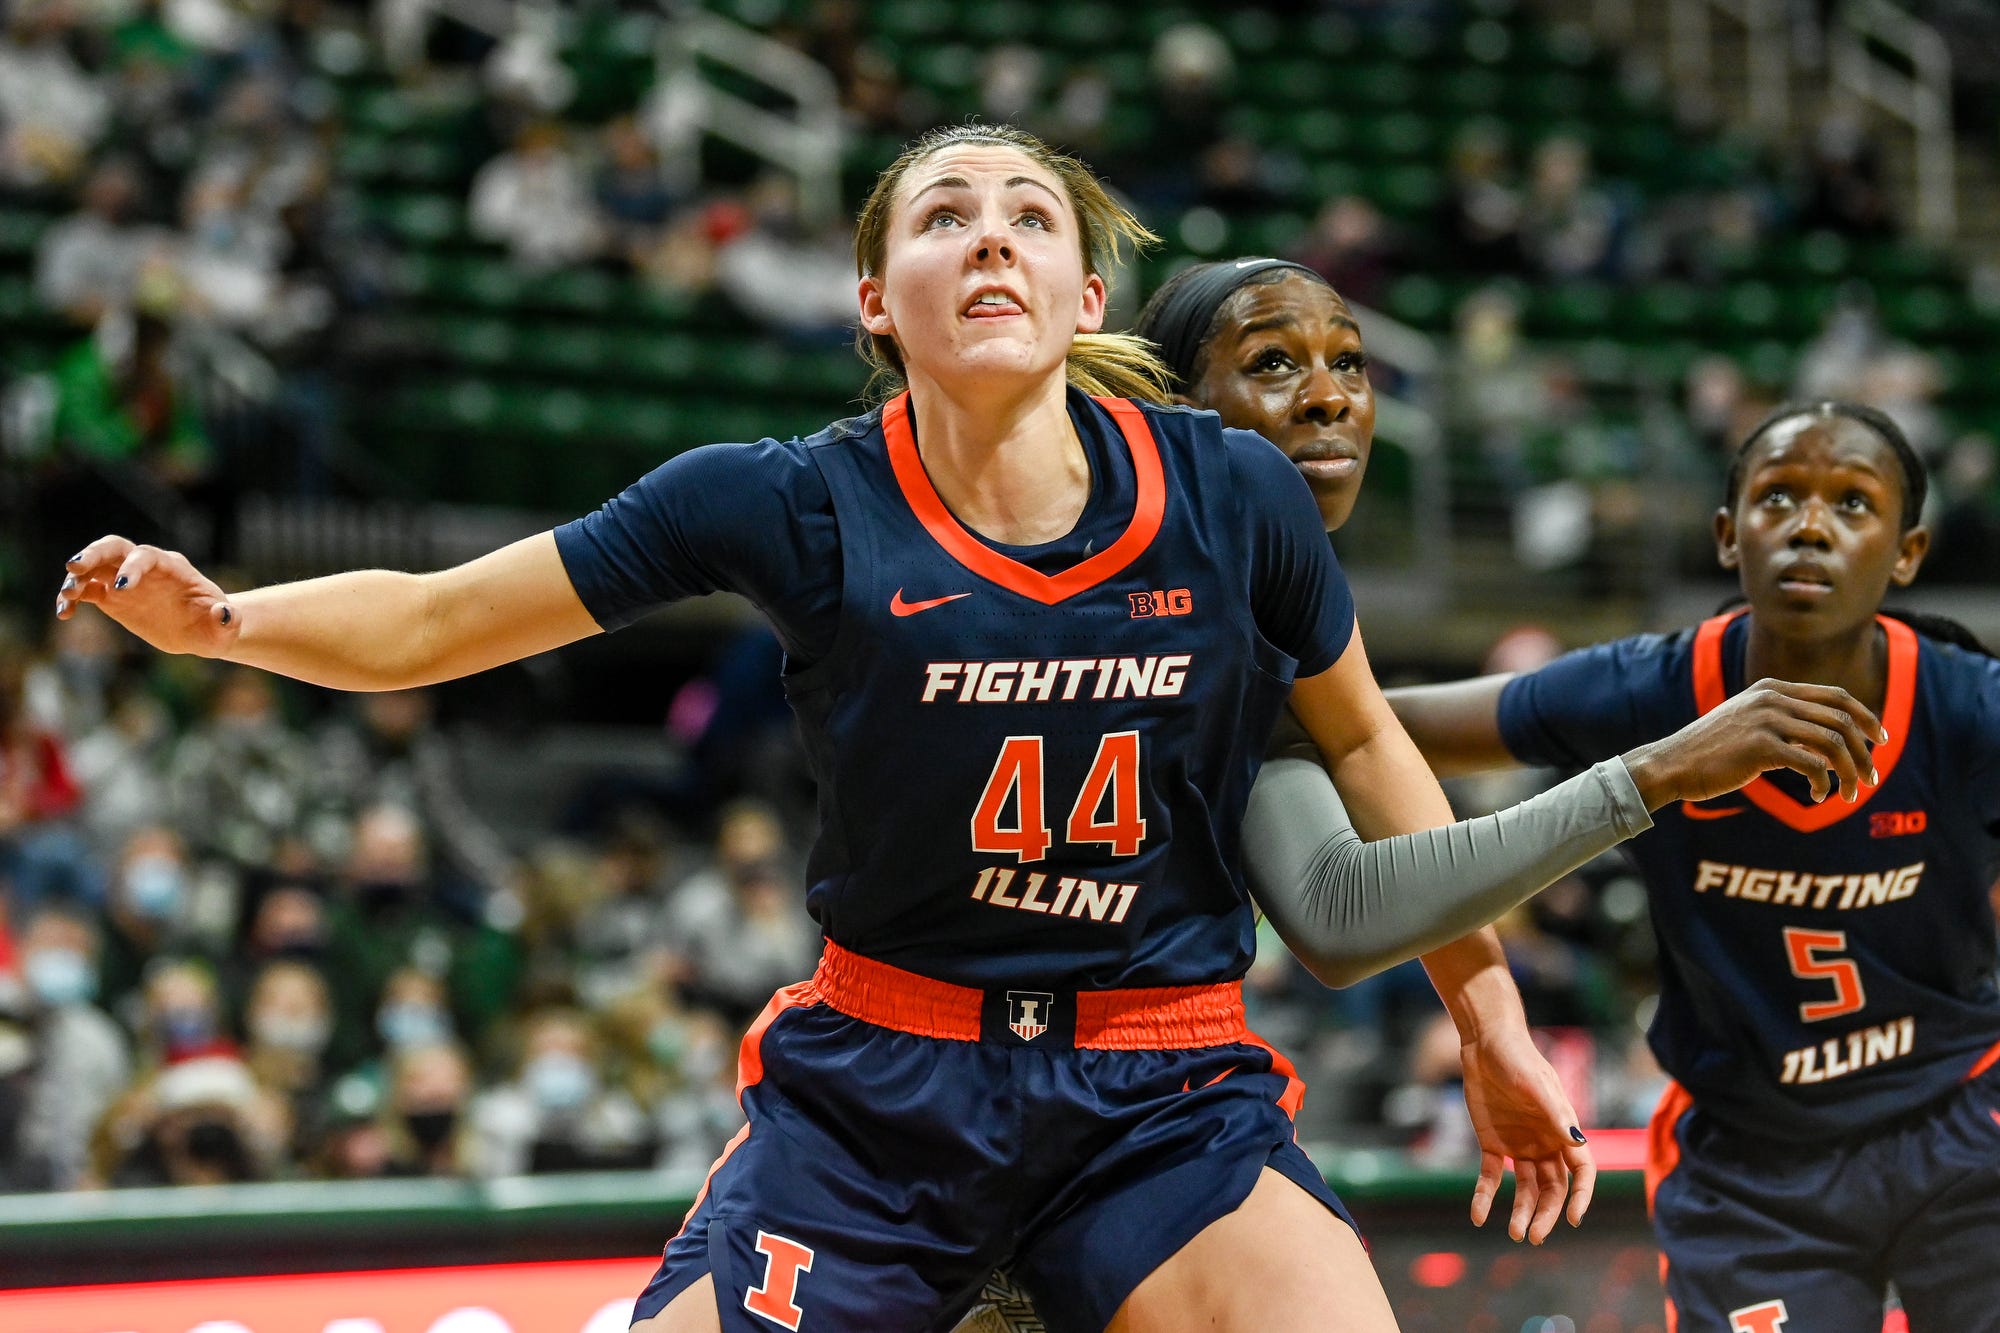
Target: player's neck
[1011, 468]
[1857, 660]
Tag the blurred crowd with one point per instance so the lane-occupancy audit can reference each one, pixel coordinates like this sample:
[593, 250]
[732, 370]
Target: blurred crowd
[239, 941]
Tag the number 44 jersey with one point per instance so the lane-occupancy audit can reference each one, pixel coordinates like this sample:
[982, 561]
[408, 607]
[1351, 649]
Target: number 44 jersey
[1823, 967]
[1032, 761]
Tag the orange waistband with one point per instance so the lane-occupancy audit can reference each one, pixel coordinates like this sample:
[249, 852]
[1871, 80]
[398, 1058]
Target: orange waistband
[1152, 1018]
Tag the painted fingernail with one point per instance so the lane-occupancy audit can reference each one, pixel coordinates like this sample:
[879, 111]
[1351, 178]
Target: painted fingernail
[62, 605]
[227, 615]
[121, 581]
[69, 583]
[76, 559]
[1874, 778]
[1577, 1134]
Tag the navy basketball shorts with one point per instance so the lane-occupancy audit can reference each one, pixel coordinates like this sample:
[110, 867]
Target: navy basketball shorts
[1761, 1236]
[906, 1137]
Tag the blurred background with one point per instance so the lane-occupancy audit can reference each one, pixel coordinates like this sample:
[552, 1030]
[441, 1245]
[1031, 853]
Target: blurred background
[302, 285]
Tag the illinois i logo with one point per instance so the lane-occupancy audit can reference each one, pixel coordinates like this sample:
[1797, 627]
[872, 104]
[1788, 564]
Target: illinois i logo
[777, 1299]
[1766, 1317]
[1028, 1012]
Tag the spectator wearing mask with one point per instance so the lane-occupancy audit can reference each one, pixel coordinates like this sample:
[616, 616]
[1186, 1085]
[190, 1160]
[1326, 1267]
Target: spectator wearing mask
[181, 1016]
[424, 1115]
[83, 1060]
[558, 1113]
[676, 1063]
[148, 911]
[52, 110]
[1568, 225]
[287, 1023]
[387, 917]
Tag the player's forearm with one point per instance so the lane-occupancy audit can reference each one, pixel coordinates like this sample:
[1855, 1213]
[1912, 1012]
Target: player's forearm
[367, 629]
[1470, 975]
[1349, 909]
[1456, 726]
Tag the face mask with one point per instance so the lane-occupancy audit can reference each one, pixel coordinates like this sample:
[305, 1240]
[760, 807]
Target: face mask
[154, 887]
[406, 1024]
[298, 948]
[186, 1029]
[430, 1128]
[559, 1081]
[305, 1034]
[60, 976]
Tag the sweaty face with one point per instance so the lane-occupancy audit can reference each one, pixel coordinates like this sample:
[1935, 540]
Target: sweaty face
[1815, 531]
[1286, 361]
[983, 269]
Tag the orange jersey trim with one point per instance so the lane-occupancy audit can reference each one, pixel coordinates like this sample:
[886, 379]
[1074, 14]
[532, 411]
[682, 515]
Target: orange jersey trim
[1048, 589]
[1663, 1149]
[1142, 1019]
[1986, 1062]
[1897, 707]
[1294, 1095]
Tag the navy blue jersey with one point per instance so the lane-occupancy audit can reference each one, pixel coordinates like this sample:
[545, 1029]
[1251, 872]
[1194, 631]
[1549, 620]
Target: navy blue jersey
[1822, 967]
[1032, 763]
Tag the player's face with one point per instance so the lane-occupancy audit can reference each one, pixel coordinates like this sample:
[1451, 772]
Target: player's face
[983, 270]
[1815, 532]
[1287, 363]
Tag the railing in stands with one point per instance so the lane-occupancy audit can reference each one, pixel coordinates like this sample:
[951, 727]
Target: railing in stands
[1767, 72]
[686, 105]
[1880, 55]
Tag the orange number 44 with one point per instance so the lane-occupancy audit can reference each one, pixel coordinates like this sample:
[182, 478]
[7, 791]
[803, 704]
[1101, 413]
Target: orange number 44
[1804, 948]
[1113, 780]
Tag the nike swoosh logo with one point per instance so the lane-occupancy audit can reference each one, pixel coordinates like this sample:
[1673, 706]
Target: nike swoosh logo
[899, 607]
[1187, 1083]
[1693, 811]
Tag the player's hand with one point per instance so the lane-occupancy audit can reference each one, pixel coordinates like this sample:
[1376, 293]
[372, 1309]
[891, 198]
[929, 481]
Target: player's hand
[1518, 1110]
[158, 595]
[1820, 731]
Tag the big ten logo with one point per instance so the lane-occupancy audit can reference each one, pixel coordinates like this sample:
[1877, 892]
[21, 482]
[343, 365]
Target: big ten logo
[1172, 602]
[1897, 823]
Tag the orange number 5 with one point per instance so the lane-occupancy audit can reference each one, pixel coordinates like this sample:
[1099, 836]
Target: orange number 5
[1804, 948]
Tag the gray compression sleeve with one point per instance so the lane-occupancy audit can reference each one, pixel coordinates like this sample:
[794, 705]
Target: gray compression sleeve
[1349, 908]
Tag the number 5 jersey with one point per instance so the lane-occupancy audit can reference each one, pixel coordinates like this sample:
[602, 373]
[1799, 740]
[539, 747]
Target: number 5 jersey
[1823, 967]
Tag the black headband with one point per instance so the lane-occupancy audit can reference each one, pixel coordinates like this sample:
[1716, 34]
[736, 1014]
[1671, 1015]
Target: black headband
[1179, 323]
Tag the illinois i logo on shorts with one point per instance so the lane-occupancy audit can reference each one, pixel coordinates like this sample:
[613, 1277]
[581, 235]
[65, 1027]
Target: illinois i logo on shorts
[1767, 1317]
[1028, 1012]
[777, 1298]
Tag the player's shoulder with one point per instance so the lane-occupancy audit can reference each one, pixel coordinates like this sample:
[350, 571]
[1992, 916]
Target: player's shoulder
[1666, 655]
[1962, 682]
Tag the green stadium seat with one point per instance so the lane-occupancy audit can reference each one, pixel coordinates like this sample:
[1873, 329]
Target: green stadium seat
[1386, 84]
[424, 220]
[566, 351]
[1750, 309]
[1411, 191]
[1571, 310]
[657, 359]
[1331, 35]
[1662, 310]
[21, 231]
[913, 20]
[1420, 300]
[478, 343]
[1318, 131]
[1926, 313]
[581, 291]
[1253, 32]
[1086, 29]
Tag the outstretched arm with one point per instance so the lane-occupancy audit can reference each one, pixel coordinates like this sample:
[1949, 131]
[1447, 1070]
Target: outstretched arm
[1350, 908]
[366, 630]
